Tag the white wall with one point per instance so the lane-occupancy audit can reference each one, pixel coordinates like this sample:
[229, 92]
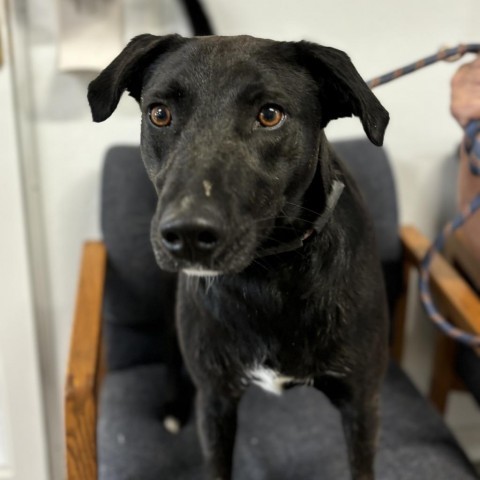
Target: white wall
[22, 430]
[379, 35]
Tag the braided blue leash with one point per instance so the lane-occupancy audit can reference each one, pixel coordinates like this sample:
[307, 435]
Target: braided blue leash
[473, 148]
[472, 145]
[446, 54]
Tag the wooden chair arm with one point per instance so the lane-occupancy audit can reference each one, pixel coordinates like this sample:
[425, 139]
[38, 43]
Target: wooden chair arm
[84, 366]
[459, 251]
[456, 299]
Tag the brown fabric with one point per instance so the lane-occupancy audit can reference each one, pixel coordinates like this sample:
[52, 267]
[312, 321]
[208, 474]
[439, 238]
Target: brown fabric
[468, 186]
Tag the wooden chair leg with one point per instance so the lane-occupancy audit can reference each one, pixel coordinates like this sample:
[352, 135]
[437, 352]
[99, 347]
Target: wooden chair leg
[443, 375]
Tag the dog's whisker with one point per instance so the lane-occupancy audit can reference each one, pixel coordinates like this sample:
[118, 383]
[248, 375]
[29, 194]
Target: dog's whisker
[303, 208]
[209, 281]
[260, 264]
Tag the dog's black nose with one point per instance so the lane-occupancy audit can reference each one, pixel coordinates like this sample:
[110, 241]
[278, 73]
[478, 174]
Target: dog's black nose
[191, 238]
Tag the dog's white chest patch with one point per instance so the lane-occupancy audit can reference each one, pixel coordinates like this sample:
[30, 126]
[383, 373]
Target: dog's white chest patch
[269, 379]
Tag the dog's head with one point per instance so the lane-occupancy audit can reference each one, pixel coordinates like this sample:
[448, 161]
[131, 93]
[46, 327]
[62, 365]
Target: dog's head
[232, 139]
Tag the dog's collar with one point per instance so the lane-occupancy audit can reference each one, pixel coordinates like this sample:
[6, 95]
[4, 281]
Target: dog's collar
[317, 227]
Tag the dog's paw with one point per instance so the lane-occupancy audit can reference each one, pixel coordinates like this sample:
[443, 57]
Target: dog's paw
[172, 424]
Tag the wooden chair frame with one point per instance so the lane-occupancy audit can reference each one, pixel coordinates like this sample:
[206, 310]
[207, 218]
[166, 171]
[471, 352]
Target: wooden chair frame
[456, 300]
[86, 368]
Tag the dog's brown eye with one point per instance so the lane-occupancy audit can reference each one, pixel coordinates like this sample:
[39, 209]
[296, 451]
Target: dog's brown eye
[160, 116]
[270, 116]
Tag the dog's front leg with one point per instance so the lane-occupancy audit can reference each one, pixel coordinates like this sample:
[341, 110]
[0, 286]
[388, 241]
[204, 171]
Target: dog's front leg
[360, 424]
[217, 423]
[359, 410]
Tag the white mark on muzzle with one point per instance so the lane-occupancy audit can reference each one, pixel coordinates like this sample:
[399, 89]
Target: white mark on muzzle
[207, 186]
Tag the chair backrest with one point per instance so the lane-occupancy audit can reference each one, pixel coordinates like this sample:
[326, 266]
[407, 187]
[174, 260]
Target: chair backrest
[372, 171]
[139, 297]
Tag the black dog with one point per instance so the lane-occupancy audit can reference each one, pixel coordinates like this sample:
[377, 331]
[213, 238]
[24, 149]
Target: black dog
[252, 198]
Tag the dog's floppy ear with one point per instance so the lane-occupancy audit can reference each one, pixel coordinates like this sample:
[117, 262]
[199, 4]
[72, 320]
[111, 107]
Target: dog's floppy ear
[343, 91]
[126, 73]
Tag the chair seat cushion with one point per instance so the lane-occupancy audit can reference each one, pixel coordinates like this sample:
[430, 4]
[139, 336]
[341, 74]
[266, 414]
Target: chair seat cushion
[295, 436]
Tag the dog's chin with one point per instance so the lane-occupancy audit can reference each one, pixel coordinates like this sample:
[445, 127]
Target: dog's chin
[234, 261]
[234, 256]
[198, 270]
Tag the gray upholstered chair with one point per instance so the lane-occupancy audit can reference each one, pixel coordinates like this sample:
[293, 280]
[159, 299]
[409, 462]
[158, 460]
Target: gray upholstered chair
[297, 436]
